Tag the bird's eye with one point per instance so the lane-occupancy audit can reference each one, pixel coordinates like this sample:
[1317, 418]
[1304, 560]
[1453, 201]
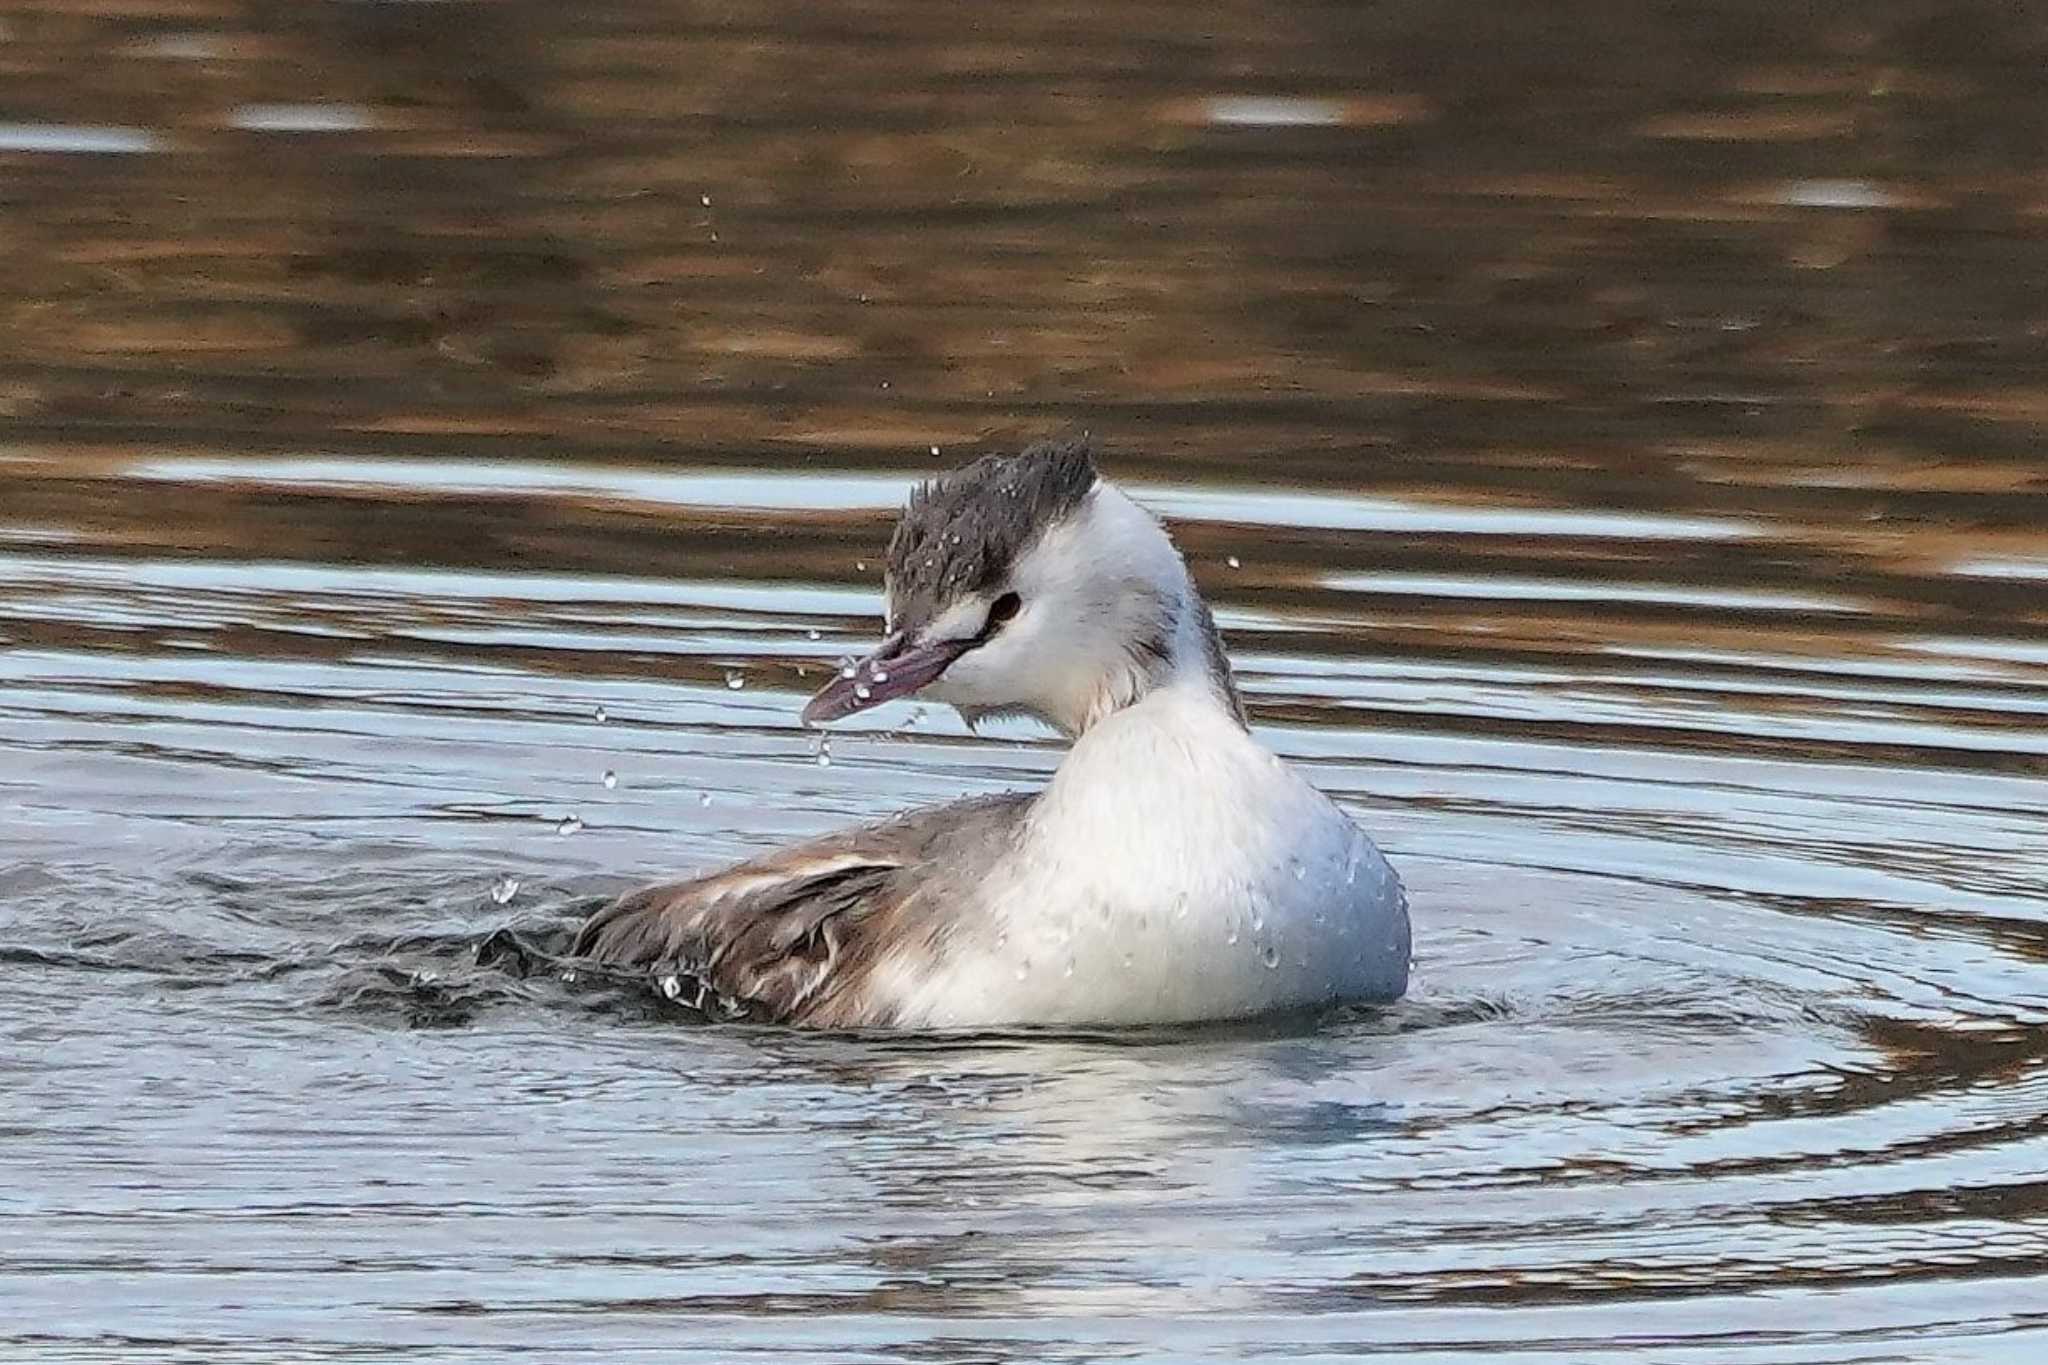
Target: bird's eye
[1003, 610]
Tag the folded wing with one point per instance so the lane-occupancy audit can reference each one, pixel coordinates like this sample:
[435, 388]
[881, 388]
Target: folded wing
[797, 936]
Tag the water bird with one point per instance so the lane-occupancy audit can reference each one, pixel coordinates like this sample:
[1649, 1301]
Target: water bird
[1173, 870]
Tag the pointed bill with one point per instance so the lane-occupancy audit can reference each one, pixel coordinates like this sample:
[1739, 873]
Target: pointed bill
[897, 668]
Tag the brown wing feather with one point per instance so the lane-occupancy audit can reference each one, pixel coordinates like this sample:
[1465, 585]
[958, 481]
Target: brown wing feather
[794, 936]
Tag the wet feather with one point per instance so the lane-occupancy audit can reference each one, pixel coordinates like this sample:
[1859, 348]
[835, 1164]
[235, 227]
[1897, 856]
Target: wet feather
[795, 936]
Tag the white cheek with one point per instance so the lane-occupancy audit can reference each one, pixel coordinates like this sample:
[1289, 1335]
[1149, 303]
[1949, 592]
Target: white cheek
[998, 673]
[963, 620]
[961, 684]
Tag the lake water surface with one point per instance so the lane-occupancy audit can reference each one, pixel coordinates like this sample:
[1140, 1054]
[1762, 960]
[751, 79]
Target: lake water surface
[441, 444]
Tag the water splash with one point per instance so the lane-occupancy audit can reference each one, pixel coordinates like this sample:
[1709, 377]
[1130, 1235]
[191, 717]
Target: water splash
[569, 824]
[504, 889]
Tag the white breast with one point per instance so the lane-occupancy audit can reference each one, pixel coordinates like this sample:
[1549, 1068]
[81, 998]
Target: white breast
[1174, 871]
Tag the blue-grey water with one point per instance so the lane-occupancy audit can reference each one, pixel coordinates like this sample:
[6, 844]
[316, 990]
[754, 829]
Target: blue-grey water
[441, 444]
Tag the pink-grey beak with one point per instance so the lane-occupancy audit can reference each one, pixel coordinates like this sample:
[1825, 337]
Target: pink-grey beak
[898, 667]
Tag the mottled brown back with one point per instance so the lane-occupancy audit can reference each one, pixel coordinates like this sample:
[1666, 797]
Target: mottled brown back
[794, 936]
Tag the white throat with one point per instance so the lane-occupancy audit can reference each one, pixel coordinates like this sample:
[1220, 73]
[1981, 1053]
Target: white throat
[1110, 615]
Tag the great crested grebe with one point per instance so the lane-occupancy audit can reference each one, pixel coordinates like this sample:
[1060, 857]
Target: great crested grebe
[1174, 870]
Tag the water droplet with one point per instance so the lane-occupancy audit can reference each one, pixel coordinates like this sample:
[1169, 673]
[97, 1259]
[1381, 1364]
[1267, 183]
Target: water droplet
[705, 200]
[935, 450]
[735, 679]
[569, 824]
[611, 779]
[885, 383]
[671, 986]
[1258, 921]
[847, 669]
[569, 977]
[1230, 935]
[598, 715]
[1270, 956]
[863, 691]
[1300, 871]
[814, 634]
[1068, 970]
[861, 564]
[1127, 960]
[504, 889]
[703, 798]
[824, 758]
[1023, 971]
[821, 750]
[881, 675]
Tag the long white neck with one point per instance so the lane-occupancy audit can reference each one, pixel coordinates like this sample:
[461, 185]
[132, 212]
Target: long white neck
[1151, 630]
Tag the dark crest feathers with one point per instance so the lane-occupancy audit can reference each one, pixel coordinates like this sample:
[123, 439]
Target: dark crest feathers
[961, 532]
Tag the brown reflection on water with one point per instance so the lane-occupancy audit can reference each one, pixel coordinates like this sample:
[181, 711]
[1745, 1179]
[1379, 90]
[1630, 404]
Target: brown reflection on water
[1440, 241]
[1749, 266]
